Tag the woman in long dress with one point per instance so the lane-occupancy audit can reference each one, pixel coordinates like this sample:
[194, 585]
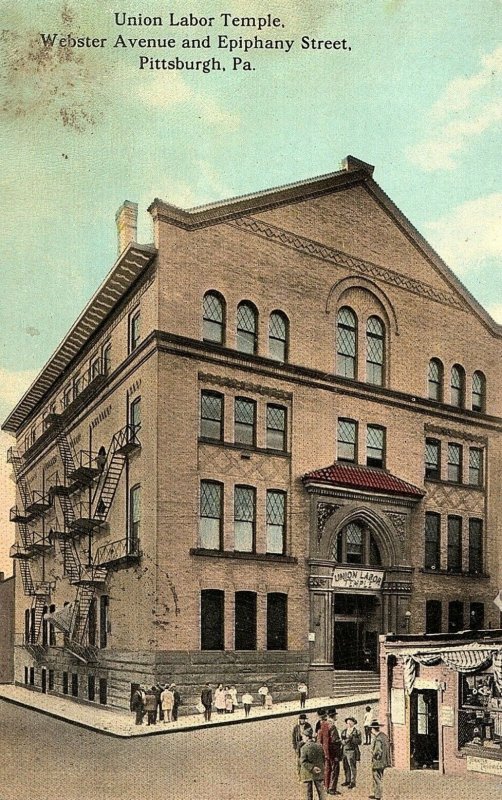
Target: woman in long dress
[219, 699]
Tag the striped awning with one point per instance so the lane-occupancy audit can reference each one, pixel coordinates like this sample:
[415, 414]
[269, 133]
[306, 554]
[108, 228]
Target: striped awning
[466, 659]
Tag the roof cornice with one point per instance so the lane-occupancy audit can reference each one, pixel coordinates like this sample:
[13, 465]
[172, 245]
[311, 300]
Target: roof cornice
[129, 266]
[202, 216]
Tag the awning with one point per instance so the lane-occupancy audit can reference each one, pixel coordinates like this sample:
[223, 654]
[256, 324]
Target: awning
[356, 476]
[466, 659]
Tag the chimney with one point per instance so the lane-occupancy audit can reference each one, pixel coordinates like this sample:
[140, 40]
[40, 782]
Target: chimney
[351, 163]
[127, 224]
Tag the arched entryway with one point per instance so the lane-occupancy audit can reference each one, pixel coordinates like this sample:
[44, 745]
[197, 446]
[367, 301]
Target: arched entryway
[356, 611]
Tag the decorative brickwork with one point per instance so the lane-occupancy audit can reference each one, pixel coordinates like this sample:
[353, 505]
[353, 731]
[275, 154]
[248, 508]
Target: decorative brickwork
[312, 248]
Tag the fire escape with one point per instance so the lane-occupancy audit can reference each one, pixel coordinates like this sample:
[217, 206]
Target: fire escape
[79, 473]
[29, 546]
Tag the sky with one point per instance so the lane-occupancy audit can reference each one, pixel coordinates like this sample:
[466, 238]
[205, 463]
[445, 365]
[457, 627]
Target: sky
[418, 94]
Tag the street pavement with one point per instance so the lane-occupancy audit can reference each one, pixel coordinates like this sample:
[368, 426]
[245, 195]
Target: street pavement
[46, 759]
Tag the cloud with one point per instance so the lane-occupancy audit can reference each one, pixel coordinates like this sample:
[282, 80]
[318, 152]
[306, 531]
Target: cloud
[467, 107]
[470, 234]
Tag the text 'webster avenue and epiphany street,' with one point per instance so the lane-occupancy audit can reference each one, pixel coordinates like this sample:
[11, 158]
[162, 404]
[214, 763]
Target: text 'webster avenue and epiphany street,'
[232, 40]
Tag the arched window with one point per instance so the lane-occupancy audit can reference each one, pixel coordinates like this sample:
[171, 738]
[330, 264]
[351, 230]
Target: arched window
[478, 391]
[213, 327]
[435, 379]
[278, 335]
[346, 343]
[457, 386]
[355, 544]
[375, 333]
[247, 326]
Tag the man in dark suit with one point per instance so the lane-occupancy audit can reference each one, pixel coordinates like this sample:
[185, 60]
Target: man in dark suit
[380, 759]
[298, 731]
[311, 767]
[176, 703]
[206, 699]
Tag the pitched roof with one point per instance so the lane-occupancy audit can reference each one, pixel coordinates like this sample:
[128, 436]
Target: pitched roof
[354, 476]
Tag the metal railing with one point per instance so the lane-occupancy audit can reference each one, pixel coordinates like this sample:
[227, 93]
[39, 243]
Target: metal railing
[116, 551]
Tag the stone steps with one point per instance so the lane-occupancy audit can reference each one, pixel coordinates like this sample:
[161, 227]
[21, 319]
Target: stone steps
[347, 682]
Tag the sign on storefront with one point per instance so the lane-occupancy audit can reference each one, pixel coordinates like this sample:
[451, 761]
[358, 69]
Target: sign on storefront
[477, 764]
[353, 578]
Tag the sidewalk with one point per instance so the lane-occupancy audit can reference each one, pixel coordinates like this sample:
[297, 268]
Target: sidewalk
[121, 723]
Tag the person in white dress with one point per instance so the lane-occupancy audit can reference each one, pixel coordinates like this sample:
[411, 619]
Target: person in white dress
[220, 699]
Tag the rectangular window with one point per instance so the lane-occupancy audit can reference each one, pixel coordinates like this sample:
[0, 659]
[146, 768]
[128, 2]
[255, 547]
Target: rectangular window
[245, 421]
[475, 546]
[134, 331]
[455, 463]
[211, 416]
[26, 675]
[33, 626]
[475, 466]
[277, 621]
[454, 544]
[134, 518]
[52, 628]
[95, 368]
[455, 616]
[103, 691]
[92, 623]
[32, 676]
[244, 518]
[276, 522]
[91, 687]
[375, 446]
[78, 385]
[135, 415]
[433, 459]
[433, 614]
[346, 446]
[276, 427]
[67, 396]
[245, 620]
[211, 516]
[432, 540]
[104, 602]
[65, 683]
[45, 627]
[477, 616]
[51, 680]
[107, 359]
[74, 684]
[212, 609]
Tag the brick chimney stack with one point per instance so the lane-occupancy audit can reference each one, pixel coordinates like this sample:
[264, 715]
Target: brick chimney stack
[127, 224]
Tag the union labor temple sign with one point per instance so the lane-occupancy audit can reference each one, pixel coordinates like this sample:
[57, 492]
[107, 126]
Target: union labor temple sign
[353, 578]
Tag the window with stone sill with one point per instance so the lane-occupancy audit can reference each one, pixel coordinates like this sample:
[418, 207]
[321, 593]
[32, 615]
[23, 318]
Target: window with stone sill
[278, 336]
[213, 320]
[346, 343]
[276, 427]
[455, 463]
[375, 350]
[435, 379]
[211, 515]
[432, 459]
[247, 328]
[346, 449]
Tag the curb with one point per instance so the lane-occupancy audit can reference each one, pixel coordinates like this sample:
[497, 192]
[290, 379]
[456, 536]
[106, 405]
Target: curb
[345, 701]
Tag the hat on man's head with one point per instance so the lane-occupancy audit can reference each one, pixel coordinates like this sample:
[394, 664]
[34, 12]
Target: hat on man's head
[375, 724]
[321, 711]
[351, 719]
[302, 716]
[332, 711]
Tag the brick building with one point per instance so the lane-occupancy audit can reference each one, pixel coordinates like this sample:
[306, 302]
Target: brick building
[270, 437]
[6, 628]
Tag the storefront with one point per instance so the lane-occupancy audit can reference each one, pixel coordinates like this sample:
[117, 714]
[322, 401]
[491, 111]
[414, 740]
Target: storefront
[441, 697]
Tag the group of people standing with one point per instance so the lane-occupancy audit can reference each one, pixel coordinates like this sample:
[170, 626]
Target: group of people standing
[225, 701]
[321, 750]
[160, 700]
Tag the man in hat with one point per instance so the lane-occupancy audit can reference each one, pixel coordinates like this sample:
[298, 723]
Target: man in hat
[335, 753]
[311, 766]
[298, 730]
[380, 759]
[351, 741]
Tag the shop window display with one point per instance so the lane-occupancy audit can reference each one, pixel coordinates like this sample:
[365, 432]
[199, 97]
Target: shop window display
[480, 712]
